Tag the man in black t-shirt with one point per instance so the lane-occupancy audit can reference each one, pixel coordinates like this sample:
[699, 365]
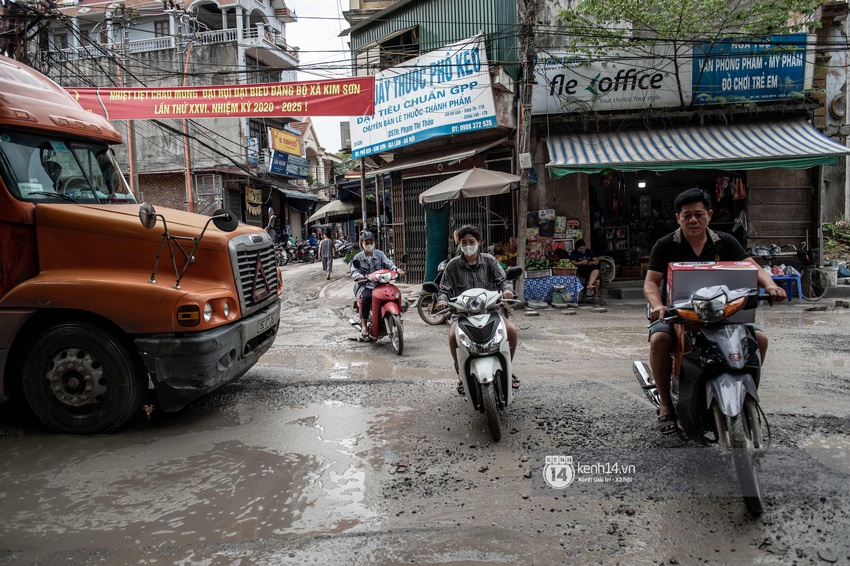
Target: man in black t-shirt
[588, 265]
[692, 241]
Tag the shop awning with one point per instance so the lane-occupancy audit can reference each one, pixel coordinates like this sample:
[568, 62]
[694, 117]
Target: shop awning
[451, 154]
[795, 144]
[334, 209]
[293, 194]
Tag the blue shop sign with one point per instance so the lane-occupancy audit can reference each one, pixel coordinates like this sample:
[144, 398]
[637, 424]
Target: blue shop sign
[290, 165]
[759, 69]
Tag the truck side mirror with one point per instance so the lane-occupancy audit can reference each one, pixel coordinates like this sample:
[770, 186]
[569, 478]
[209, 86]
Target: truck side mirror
[225, 220]
[147, 215]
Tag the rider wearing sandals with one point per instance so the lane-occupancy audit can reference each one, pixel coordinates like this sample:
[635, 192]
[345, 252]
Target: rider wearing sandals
[692, 241]
[470, 270]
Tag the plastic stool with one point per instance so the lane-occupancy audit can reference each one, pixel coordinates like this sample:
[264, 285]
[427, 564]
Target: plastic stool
[787, 282]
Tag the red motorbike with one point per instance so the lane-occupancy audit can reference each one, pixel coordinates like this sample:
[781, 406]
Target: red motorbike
[387, 306]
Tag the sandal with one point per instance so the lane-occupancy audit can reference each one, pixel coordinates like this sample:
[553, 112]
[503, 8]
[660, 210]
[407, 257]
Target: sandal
[514, 382]
[667, 424]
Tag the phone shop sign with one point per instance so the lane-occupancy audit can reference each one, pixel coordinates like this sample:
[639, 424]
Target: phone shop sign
[764, 69]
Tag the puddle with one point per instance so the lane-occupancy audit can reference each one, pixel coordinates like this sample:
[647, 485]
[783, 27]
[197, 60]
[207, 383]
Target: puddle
[302, 470]
[832, 451]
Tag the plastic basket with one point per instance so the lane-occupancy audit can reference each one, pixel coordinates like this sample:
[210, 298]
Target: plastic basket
[538, 273]
[561, 271]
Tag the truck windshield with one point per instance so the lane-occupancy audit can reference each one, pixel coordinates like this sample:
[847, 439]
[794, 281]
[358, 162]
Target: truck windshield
[41, 168]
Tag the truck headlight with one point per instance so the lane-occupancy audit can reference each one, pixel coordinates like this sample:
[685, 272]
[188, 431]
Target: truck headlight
[226, 309]
[208, 312]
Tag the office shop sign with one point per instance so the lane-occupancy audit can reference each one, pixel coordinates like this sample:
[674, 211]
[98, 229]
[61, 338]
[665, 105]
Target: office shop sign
[624, 81]
[762, 69]
[440, 93]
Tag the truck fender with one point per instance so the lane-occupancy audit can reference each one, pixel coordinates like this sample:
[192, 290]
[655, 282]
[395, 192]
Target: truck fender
[484, 369]
[730, 390]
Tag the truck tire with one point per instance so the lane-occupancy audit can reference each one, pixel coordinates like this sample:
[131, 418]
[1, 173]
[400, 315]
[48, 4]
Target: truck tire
[78, 379]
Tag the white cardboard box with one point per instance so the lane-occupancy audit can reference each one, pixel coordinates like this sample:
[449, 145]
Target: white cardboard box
[683, 278]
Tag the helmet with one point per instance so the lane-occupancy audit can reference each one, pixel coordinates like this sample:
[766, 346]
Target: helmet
[367, 235]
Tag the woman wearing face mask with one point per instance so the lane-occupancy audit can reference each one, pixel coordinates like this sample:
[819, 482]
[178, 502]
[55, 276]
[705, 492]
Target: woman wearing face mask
[474, 269]
[370, 260]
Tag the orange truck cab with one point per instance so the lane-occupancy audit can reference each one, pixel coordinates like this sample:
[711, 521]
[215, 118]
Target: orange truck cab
[102, 298]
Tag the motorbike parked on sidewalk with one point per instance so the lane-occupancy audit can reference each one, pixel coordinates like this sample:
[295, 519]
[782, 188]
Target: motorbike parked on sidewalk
[715, 384]
[343, 248]
[302, 251]
[483, 351]
[385, 318]
[426, 303]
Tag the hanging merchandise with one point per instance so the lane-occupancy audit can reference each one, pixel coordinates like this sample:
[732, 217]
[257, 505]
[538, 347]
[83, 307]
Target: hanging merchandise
[741, 221]
[719, 187]
[740, 192]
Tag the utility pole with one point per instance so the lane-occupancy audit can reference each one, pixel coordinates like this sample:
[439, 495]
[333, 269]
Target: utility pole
[363, 191]
[527, 16]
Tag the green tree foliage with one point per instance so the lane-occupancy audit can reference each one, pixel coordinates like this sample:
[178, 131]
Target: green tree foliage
[600, 27]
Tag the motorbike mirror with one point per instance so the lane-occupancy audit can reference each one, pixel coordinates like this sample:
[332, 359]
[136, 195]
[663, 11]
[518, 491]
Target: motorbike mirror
[225, 220]
[404, 258]
[147, 215]
[430, 287]
[513, 273]
[355, 263]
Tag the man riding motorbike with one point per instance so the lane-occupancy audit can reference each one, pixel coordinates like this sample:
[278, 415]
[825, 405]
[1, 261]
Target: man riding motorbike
[470, 270]
[369, 260]
[693, 241]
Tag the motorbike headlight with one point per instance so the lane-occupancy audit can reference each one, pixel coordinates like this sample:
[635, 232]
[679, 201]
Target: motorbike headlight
[475, 305]
[384, 278]
[710, 310]
[466, 341]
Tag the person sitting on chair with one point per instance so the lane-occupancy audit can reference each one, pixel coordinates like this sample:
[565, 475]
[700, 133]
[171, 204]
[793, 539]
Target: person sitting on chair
[587, 263]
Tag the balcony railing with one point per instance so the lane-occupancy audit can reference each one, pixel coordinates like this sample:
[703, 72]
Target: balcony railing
[257, 36]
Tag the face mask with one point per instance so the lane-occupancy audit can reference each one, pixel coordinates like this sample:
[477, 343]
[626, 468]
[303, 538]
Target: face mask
[369, 247]
[469, 250]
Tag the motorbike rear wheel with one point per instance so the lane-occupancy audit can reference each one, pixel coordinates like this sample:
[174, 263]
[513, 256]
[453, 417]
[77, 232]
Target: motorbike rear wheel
[392, 322]
[491, 411]
[425, 307]
[742, 441]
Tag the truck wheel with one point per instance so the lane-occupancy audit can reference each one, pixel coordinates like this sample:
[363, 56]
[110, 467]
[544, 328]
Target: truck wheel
[78, 379]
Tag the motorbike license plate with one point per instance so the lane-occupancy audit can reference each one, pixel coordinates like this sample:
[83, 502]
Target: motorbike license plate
[266, 323]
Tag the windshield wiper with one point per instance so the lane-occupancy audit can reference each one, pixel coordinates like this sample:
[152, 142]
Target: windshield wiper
[57, 195]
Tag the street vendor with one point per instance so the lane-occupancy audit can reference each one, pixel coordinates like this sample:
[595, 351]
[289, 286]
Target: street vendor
[587, 263]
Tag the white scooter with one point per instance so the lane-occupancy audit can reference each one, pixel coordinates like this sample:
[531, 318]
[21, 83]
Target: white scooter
[483, 353]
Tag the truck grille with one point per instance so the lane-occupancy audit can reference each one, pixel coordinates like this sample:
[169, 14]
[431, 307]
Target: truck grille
[257, 284]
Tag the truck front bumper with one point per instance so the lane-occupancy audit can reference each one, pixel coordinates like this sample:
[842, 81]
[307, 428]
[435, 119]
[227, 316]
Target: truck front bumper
[184, 367]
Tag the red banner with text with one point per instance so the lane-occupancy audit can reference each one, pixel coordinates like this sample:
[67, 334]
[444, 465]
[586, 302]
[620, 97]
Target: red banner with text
[336, 97]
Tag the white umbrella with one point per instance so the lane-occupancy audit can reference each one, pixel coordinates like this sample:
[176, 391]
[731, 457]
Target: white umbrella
[469, 184]
[333, 209]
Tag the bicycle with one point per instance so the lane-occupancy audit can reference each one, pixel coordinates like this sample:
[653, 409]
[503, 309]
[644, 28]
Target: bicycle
[813, 279]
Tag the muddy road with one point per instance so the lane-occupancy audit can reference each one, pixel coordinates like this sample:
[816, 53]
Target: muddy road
[332, 451]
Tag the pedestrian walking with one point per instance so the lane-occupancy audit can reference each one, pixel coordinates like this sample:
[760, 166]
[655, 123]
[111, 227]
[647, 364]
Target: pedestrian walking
[326, 252]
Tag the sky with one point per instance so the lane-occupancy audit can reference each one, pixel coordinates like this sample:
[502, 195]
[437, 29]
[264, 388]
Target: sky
[316, 34]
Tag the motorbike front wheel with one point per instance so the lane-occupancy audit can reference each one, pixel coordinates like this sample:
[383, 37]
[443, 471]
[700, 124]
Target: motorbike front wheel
[281, 257]
[426, 307]
[392, 322]
[491, 411]
[742, 441]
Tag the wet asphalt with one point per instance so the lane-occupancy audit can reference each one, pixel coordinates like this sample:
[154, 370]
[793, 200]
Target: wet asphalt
[333, 451]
